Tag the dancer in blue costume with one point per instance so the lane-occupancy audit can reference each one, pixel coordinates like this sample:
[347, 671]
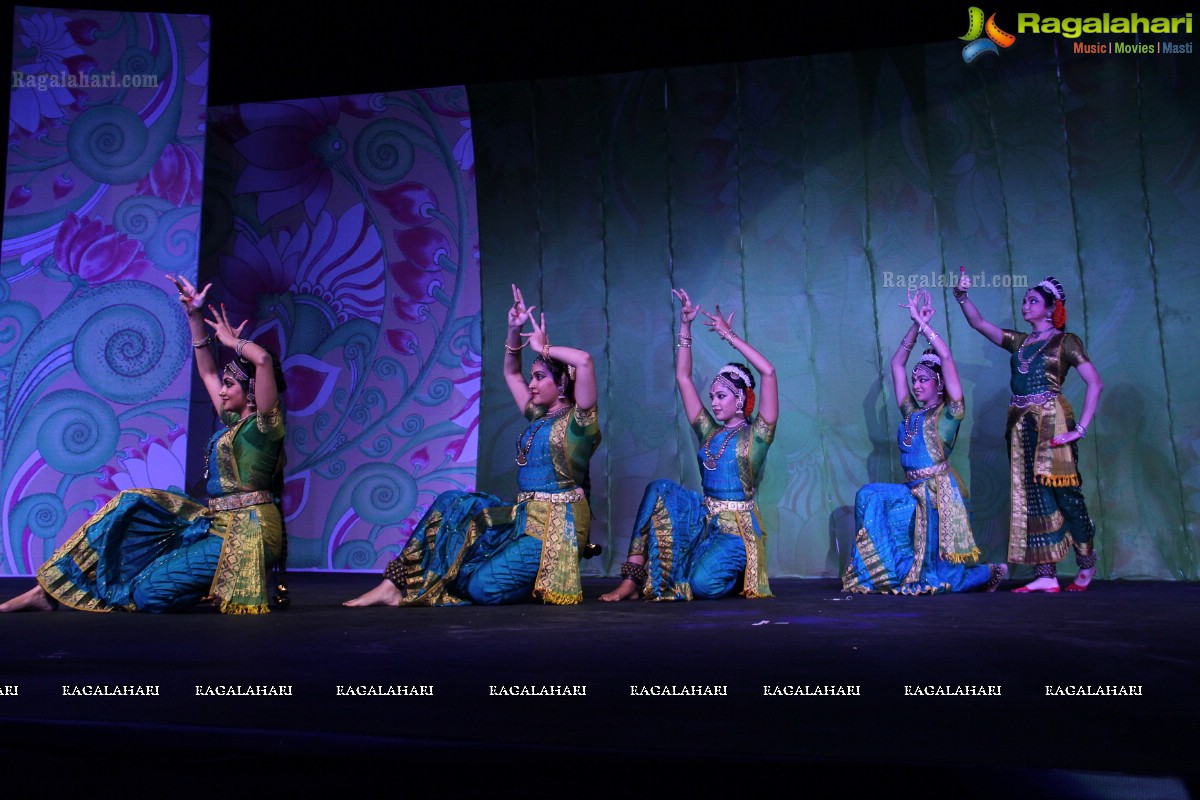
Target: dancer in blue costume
[472, 547]
[686, 545]
[1049, 515]
[153, 550]
[915, 537]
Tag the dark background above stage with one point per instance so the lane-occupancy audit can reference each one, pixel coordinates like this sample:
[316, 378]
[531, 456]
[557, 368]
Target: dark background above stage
[274, 51]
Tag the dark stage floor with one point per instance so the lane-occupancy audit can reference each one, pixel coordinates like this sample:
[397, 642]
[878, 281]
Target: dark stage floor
[892, 651]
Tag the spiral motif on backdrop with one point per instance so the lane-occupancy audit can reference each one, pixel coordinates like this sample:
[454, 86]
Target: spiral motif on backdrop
[133, 345]
[381, 494]
[138, 61]
[43, 514]
[383, 152]
[359, 554]
[138, 216]
[76, 432]
[16, 320]
[167, 233]
[110, 144]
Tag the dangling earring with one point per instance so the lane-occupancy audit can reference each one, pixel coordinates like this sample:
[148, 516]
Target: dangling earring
[562, 390]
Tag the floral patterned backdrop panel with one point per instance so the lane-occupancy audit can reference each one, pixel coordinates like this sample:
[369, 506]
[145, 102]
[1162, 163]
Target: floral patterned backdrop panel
[102, 202]
[344, 228]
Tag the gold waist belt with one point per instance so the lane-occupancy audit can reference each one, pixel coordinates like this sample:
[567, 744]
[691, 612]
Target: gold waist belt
[568, 496]
[715, 506]
[230, 502]
[926, 472]
[1027, 400]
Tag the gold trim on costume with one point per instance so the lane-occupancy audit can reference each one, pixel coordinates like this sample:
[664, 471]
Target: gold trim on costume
[665, 534]
[715, 506]
[585, 417]
[231, 502]
[926, 472]
[876, 571]
[566, 496]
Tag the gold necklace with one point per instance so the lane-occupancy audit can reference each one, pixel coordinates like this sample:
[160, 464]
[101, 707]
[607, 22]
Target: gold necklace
[523, 447]
[912, 424]
[1024, 363]
[710, 461]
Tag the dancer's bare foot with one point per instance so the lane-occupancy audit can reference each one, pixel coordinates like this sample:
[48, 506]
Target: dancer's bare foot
[385, 594]
[1080, 584]
[1038, 585]
[35, 599]
[627, 590]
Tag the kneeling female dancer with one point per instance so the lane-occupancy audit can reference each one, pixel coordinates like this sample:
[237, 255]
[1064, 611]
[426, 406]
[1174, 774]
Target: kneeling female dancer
[153, 550]
[915, 537]
[686, 545]
[472, 547]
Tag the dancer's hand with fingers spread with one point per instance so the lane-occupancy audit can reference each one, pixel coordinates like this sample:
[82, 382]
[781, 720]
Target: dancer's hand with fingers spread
[689, 311]
[518, 314]
[192, 300]
[224, 331]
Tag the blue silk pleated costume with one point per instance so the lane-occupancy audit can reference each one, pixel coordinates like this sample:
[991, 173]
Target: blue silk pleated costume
[158, 551]
[891, 554]
[695, 550]
[473, 547]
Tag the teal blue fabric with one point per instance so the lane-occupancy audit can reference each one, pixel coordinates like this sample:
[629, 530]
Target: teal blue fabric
[153, 550]
[501, 565]
[688, 556]
[885, 514]
[148, 557]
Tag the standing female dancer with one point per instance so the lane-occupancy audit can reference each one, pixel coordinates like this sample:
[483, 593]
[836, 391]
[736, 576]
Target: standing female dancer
[1048, 511]
[153, 550]
[686, 545]
[915, 537]
[472, 547]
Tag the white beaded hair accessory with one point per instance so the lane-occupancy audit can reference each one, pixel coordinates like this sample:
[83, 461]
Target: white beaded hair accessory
[734, 369]
[1052, 286]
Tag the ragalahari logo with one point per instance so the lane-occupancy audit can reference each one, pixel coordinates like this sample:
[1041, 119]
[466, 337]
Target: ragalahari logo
[976, 27]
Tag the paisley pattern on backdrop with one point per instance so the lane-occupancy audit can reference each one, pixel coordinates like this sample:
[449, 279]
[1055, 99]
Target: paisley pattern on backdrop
[102, 200]
[345, 229]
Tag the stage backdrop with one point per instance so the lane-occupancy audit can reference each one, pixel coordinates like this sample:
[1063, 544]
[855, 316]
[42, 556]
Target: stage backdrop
[344, 229]
[803, 195]
[102, 200]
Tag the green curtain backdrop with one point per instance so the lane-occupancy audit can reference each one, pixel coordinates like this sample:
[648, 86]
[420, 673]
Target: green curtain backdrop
[803, 194]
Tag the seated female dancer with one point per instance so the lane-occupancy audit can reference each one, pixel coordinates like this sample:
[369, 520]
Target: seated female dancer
[472, 547]
[153, 550]
[1049, 515]
[686, 545]
[915, 537]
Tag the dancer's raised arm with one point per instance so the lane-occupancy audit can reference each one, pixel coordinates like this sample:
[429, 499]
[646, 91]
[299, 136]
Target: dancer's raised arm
[768, 408]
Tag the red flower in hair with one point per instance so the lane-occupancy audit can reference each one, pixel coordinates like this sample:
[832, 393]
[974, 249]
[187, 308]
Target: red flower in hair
[749, 406]
[1059, 315]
